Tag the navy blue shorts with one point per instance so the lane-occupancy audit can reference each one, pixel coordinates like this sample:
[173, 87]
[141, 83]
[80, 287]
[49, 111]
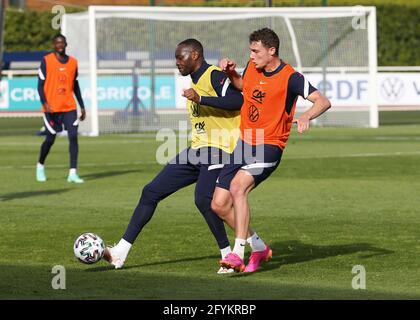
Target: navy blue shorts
[201, 166]
[54, 121]
[259, 160]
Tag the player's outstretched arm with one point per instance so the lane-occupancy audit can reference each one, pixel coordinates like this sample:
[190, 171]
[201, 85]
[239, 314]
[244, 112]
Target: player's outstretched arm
[320, 105]
[229, 66]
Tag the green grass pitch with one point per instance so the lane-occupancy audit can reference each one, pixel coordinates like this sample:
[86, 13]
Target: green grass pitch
[340, 198]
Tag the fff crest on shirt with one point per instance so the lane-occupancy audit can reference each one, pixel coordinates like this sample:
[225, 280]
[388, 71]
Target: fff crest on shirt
[258, 94]
[200, 127]
[195, 109]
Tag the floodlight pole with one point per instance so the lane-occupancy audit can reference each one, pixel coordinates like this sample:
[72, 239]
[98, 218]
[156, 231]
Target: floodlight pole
[325, 48]
[2, 18]
[152, 62]
[269, 3]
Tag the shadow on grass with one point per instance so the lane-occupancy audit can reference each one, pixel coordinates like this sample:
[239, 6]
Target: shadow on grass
[29, 194]
[35, 282]
[291, 252]
[106, 174]
[157, 263]
[286, 252]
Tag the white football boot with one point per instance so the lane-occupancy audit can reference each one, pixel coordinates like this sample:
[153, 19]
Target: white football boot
[112, 255]
[224, 270]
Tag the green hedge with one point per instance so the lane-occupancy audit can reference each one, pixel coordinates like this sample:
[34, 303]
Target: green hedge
[29, 30]
[398, 32]
[398, 35]
[292, 3]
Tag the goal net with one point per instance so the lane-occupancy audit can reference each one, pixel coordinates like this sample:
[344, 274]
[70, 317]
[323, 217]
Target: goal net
[130, 83]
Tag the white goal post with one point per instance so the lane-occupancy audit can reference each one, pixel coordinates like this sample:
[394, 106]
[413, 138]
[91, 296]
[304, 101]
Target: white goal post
[124, 50]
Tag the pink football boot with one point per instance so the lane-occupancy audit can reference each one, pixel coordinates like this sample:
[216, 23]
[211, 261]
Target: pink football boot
[257, 257]
[232, 260]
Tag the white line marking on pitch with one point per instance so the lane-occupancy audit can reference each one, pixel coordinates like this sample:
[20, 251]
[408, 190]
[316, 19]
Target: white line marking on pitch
[358, 155]
[112, 164]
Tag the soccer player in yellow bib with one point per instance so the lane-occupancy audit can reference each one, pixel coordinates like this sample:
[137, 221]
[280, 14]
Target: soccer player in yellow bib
[213, 105]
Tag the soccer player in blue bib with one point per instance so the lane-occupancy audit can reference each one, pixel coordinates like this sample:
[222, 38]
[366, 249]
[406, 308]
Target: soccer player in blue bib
[213, 105]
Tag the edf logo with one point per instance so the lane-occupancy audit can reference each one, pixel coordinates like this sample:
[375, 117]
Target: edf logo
[344, 90]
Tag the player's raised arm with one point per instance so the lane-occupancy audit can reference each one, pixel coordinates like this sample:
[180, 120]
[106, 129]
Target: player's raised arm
[228, 97]
[229, 66]
[320, 105]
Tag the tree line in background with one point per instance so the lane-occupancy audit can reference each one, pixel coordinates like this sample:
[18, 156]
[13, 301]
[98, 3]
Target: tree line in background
[398, 31]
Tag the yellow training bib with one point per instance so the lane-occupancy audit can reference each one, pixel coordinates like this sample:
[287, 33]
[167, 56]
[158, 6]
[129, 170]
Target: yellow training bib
[212, 127]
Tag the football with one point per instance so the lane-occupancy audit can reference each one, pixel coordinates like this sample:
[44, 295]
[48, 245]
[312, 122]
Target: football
[89, 248]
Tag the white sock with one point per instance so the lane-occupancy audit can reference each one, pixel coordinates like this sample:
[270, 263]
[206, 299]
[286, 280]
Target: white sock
[225, 251]
[39, 166]
[123, 247]
[256, 243]
[239, 248]
[72, 171]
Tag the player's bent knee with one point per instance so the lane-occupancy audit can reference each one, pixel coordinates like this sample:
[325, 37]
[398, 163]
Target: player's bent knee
[72, 136]
[237, 190]
[221, 202]
[216, 207]
[149, 195]
[202, 203]
[49, 142]
[50, 139]
[221, 208]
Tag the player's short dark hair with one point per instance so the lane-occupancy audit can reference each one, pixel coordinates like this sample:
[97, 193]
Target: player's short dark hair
[193, 44]
[59, 35]
[267, 37]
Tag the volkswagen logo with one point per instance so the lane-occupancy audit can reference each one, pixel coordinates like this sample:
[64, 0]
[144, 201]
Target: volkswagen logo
[392, 89]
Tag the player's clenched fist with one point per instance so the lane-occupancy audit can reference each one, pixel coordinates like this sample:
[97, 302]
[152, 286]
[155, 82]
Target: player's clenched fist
[227, 65]
[190, 94]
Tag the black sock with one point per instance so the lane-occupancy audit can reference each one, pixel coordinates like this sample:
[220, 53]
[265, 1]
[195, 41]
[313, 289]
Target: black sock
[74, 150]
[141, 216]
[45, 147]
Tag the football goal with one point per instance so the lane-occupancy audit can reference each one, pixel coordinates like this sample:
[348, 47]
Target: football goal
[127, 67]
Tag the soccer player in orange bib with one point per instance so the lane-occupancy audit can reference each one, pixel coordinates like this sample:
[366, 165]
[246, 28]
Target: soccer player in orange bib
[270, 87]
[213, 105]
[57, 85]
